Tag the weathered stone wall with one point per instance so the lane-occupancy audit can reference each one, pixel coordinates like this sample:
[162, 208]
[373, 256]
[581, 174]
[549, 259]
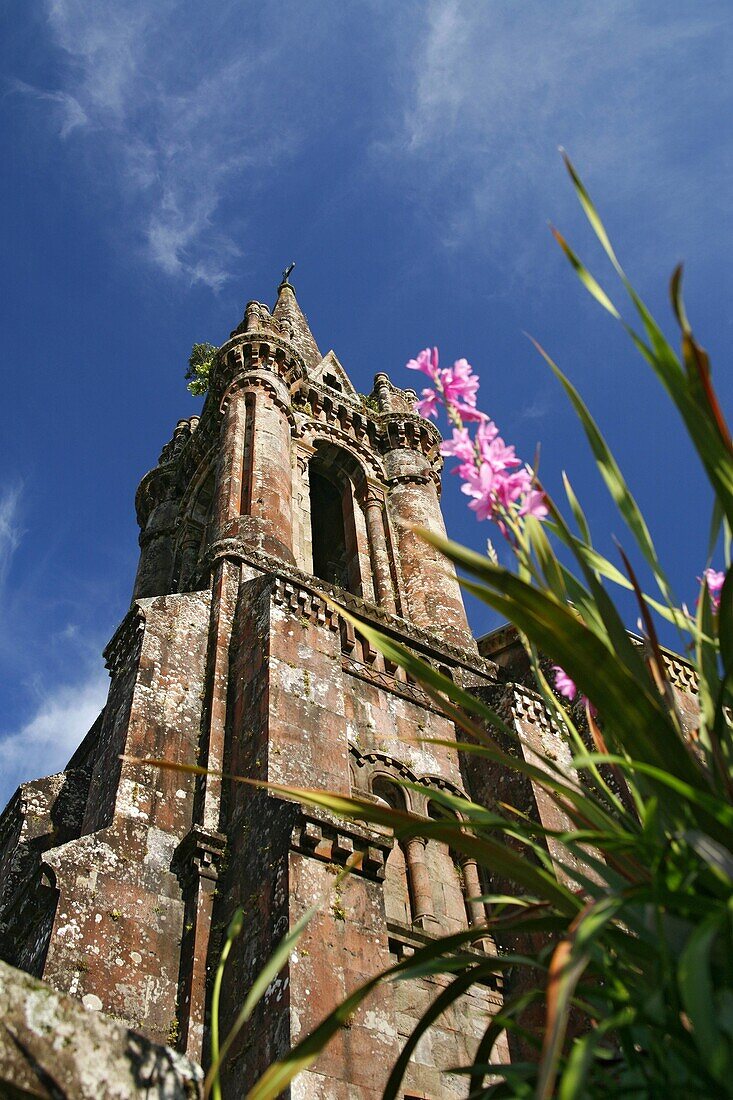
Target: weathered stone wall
[380, 721]
[31, 824]
[115, 941]
[297, 697]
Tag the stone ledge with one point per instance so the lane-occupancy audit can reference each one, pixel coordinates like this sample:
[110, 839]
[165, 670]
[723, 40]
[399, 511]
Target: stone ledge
[406, 631]
[406, 939]
[323, 836]
[51, 1046]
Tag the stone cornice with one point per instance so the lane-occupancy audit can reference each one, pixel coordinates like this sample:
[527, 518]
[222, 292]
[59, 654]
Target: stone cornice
[387, 682]
[251, 350]
[333, 840]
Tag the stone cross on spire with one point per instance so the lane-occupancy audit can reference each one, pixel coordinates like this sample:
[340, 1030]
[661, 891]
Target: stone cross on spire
[286, 275]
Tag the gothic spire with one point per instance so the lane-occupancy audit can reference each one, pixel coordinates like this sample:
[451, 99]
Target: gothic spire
[287, 309]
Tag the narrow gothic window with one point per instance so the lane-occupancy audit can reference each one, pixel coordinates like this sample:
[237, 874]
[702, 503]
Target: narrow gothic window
[397, 904]
[330, 561]
[333, 531]
[447, 881]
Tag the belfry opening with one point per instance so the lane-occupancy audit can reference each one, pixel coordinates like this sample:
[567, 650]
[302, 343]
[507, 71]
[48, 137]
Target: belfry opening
[329, 532]
[334, 478]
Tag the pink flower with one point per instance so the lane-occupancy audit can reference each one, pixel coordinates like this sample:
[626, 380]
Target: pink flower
[460, 446]
[486, 433]
[466, 412]
[486, 463]
[714, 580]
[510, 487]
[566, 687]
[487, 481]
[456, 386]
[427, 362]
[460, 384]
[563, 684]
[428, 404]
[497, 454]
[478, 485]
[534, 504]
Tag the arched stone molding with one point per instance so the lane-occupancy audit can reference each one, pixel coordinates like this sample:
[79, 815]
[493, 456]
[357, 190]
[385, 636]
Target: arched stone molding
[437, 782]
[310, 432]
[367, 766]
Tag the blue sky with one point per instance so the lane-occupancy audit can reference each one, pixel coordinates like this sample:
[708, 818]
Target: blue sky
[163, 161]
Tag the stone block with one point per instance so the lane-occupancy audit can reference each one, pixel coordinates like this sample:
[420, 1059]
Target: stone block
[51, 1046]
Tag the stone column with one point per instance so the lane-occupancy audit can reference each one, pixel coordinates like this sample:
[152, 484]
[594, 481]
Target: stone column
[302, 537]
[154, 569]
[158, 503]
[433, 596]
[472, 890]
[421, 890]
[269, 525]
[228, 491]
[373, 504]
[383, 392]
[477, 910]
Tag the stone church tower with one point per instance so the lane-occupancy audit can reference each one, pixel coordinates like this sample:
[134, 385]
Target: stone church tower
[118, 880]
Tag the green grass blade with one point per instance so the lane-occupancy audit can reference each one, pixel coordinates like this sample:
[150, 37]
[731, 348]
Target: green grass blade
[614, 479]
[577, 510]
[698, 996]
[589, 282]
[631, 707]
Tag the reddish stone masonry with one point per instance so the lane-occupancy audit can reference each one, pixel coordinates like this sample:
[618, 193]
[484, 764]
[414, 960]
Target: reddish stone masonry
[118, 881]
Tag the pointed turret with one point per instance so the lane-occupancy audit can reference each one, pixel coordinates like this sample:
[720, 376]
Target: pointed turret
[287, 311]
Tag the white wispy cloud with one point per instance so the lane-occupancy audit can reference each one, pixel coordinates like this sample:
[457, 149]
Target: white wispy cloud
[59, 706]
[492, 89]
[459, 104]
[174, 131]
[10, 530]
[43, 744]
[69, 113]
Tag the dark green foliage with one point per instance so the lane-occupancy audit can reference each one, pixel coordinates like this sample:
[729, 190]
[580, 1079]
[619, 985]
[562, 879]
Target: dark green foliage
[200, 362]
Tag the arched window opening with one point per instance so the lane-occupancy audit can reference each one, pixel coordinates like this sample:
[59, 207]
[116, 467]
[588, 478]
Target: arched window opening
[333, 474]
[449, 897]
[330, 561]
[193, 537]
[397, 903]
